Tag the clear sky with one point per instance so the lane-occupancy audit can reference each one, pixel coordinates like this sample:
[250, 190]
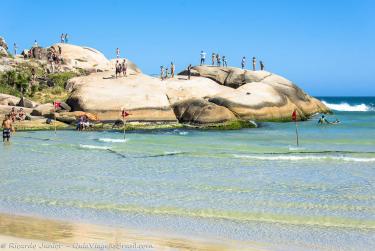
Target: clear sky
[327, 47]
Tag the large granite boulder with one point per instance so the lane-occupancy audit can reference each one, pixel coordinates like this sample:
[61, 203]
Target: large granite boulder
[228, 76]
[102, 94]
[81, 57]
[200, 111]
[43, 110]
[6, 99]
[27, 103]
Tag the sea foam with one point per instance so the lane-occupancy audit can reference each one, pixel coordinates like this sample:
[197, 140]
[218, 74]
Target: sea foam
[94, 147]
[112, 140]
[304, 158]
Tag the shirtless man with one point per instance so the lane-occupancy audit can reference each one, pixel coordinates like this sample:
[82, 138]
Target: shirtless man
[7, 128]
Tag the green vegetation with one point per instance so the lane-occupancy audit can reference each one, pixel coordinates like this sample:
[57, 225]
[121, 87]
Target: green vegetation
[46, 87]
[229, 125]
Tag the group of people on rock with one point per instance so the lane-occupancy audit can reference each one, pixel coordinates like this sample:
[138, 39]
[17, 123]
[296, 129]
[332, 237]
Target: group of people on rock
[64, 38]
[83, 123]
[217, 60]
[166, 73]
[55, 58]
[19, 115]
[121, 68]
[254, 61]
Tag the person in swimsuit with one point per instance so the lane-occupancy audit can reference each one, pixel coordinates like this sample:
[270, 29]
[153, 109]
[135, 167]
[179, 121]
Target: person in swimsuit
[254, 63]
[218, 59]
[7, 128]
[243, 62]
[225, 63]
[323, 120]
[261, 65]
[189, 71]
[172, 70]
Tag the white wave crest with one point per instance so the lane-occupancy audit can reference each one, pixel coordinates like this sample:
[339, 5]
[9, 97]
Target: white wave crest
[347, 107]
[113, 140]
[94, 147]
[304, 157]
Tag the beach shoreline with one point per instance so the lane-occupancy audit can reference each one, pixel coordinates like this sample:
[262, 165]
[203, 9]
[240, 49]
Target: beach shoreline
[35, 233]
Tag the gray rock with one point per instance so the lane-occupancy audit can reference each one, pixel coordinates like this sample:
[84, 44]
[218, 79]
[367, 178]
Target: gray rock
[42, 110]
[24, 102]
[200, 111]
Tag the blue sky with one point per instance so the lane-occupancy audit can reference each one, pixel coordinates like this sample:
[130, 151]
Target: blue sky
[326, 47]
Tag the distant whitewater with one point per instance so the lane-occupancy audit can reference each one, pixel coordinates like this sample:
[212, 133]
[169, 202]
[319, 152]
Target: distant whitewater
[350, 104]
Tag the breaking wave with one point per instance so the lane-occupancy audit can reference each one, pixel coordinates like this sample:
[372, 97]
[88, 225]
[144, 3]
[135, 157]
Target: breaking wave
[345, 107]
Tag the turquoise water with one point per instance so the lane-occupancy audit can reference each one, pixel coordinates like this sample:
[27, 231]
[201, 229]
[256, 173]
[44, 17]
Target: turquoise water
[246, 185]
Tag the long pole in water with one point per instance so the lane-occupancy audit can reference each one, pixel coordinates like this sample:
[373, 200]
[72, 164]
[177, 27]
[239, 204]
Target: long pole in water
[297, 134]
[123, 121]
[54, 114]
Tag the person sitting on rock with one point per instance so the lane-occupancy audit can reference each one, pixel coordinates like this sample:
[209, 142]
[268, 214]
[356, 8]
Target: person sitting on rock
[218, 59]
[13, 114]
[261, 65]
[21, 115]
[243, 62]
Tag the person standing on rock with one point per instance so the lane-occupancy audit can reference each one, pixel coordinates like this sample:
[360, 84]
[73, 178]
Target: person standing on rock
[7, 128]
[203, 57]
[118, 68]
[254, 63]
[35, 43]
[15, 48]
[66, 38]
[162, 72]
[213, 59]
[166, 73]
[172, 70]
[124, 67]
[189, 71]
[225, 63]
[218, 59]
[243, 62]
[261, 65]
[62, 38]
[117, 52]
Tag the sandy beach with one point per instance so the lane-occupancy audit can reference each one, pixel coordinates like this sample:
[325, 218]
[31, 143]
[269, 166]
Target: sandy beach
[31, 233]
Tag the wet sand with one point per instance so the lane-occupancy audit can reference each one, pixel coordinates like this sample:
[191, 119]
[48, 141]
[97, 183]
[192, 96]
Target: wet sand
[31, 233]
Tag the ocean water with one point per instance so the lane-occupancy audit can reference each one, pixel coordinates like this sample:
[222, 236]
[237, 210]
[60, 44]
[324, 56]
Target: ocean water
[250, 185]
